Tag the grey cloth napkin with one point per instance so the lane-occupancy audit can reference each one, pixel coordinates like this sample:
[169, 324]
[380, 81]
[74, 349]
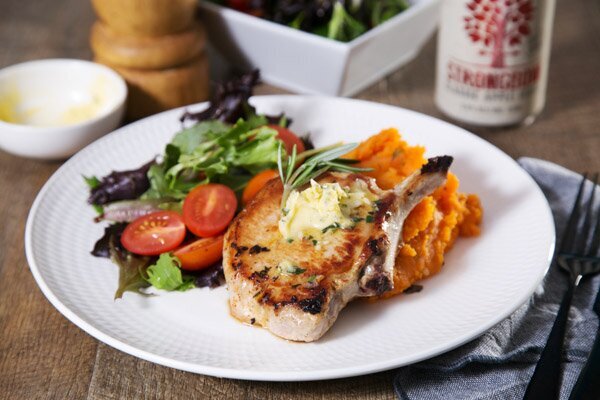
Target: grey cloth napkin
[499, 364]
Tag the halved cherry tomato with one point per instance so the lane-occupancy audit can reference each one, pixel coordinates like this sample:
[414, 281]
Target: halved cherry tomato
[289, 139]
[200, 254]
[153, 234]
[257, 183]
[208, 209]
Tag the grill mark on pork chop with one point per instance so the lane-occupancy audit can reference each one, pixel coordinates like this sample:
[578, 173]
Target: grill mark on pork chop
[379, 284]
[257, 249]
[309, 300]
[261, 275]
[378, 281]
[383, 208]
[238, 249]
[374, 246]
[314, 305]
[437, 164]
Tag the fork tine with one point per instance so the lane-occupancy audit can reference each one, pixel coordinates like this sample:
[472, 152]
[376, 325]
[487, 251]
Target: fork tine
[569, 234]
[595, 242]
[588, 218]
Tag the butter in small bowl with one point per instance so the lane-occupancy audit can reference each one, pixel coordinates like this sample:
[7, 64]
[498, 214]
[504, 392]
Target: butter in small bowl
[49, 109]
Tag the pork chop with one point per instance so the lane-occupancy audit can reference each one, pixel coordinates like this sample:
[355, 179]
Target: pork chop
[297, 288]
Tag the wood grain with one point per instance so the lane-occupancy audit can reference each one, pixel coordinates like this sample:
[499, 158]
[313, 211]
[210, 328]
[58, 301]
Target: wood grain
[43, 356]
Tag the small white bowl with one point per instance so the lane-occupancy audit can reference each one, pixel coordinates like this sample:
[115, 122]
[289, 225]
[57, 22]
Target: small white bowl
[307, 63]
[50, 109]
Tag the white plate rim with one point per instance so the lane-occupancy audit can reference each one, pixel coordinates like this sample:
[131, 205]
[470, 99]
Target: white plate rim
[280, 376]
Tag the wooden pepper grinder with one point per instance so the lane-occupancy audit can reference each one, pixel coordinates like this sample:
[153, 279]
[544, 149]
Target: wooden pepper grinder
[158, 47]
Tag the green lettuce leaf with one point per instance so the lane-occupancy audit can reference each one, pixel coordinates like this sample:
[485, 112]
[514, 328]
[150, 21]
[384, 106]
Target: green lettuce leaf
[166, 274]
[92, 181]
[258, 154]
[131, 269]
[189, 139]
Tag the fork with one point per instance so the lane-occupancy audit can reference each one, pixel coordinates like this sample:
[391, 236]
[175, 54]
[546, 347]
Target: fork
[587, 386]
[578, 257]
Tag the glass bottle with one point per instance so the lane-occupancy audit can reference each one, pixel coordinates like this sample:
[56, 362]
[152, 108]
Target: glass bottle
[492, 61]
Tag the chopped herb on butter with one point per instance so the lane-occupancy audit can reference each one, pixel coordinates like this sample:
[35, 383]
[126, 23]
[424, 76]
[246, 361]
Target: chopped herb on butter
[333, 226]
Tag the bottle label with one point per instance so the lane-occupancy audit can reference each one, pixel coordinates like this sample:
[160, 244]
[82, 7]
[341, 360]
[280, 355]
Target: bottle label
[490, 60]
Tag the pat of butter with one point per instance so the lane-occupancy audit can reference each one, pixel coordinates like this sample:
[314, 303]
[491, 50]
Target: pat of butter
[315, 210]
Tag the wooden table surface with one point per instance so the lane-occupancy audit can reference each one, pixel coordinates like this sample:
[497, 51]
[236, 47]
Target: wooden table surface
[44, 356]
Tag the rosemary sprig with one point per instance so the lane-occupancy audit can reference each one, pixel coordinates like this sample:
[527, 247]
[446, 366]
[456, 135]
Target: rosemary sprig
[299, 169]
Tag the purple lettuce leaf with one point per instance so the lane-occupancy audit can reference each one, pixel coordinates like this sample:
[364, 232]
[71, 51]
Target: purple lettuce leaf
[230, 102]
[121, 185]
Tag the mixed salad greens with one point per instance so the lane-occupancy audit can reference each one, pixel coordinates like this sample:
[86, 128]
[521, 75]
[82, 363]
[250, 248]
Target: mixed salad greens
[168, 217]
[342, 20]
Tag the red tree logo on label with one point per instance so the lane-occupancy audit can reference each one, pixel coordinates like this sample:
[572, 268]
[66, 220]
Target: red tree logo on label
[498, 25]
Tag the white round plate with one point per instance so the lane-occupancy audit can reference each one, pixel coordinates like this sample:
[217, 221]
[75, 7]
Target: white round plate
[484, 280]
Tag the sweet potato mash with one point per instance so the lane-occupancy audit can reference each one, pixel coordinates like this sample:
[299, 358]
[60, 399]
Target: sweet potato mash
[433, 226]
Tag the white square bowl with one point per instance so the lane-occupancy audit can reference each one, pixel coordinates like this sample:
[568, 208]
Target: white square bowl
[307, 63]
